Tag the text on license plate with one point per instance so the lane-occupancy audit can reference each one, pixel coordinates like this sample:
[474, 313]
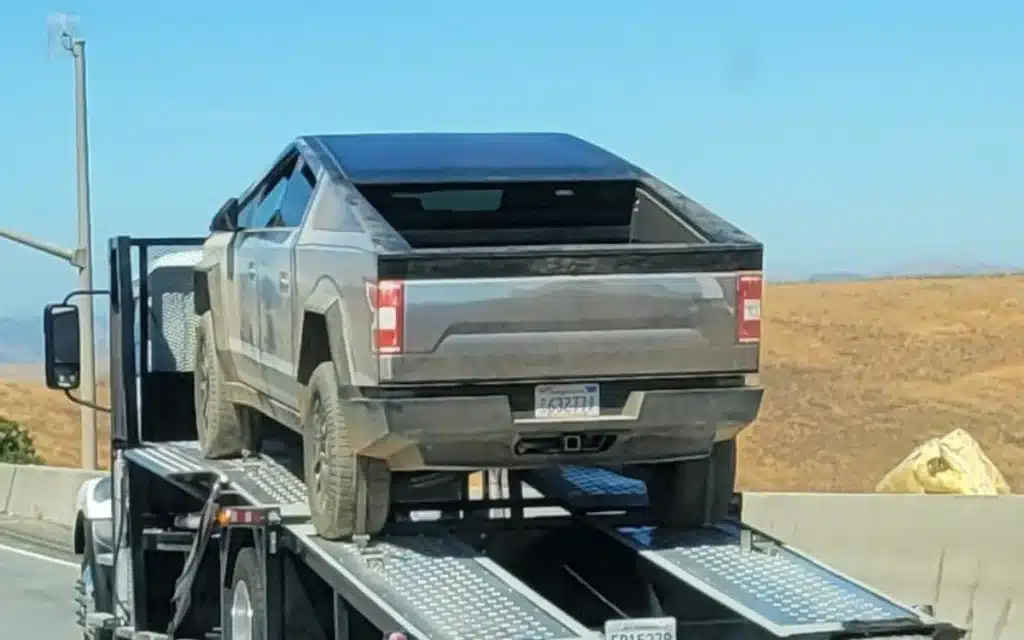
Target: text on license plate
[567, 400]
[641, 629]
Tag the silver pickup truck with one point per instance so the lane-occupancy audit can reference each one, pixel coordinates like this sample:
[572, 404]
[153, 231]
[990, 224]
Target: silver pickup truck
[438, 302]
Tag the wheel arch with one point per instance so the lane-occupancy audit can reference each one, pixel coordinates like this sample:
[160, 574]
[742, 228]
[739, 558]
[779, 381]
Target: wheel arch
[78, 534]
[240, 539]
[201, 291]
[322, 335]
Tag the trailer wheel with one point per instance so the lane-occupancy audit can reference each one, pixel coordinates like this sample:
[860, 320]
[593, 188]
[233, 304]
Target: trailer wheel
[694, 492]
[96, 592]
[248, 615]
[224, 429]
[333, 468]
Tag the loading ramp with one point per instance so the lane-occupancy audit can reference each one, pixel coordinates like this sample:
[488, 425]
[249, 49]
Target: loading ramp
[432, 581]
[779, 589]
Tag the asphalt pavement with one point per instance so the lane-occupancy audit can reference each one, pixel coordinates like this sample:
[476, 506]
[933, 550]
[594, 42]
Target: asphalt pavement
[36, 591]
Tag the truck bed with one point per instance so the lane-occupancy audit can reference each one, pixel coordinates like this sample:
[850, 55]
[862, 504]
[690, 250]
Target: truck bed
[560, 280]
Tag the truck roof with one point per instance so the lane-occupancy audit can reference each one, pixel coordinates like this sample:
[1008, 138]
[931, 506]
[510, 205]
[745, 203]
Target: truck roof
[471, 157]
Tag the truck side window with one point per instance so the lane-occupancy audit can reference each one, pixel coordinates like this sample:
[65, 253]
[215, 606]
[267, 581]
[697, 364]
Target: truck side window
[253, 214]
[245, 215]
[269, 204]
[297, 196]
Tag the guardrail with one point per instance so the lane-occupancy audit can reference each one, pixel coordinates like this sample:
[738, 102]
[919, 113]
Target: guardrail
[41, 493]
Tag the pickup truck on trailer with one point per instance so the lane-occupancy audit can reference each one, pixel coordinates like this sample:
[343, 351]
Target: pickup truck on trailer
[179, 546]
[421, 304]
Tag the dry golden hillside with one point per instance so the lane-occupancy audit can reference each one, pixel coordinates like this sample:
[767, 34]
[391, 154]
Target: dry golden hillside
[857, 375]
[52, 419]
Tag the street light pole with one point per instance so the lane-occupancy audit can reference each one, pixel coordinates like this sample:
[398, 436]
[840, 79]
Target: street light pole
[86, 312]
[61, 30]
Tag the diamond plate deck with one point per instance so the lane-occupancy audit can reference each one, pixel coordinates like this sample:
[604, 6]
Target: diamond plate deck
[779, 589]
[447, 590]
[776, 588]
[258, 479]
[588, 488]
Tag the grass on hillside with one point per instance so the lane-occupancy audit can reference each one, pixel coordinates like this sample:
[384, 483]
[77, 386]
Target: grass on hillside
[857, 374]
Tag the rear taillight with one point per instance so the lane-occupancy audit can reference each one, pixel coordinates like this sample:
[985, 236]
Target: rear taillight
[748, 307]
[387, 298]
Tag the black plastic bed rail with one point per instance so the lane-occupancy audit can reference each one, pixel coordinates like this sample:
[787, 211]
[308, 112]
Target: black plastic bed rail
[512, 262]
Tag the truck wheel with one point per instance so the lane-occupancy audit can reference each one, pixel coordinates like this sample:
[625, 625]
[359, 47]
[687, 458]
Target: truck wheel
[693, 493]
[248, 614]
[333, 468]
[224, 429]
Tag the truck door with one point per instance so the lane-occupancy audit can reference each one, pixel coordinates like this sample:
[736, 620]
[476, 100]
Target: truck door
[279, 364]
[260, 279]
[240, 297]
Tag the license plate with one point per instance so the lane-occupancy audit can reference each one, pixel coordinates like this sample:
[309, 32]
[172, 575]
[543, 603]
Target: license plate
[567, 401]
[641, 629]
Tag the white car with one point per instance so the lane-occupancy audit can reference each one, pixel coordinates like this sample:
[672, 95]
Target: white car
[93, 539]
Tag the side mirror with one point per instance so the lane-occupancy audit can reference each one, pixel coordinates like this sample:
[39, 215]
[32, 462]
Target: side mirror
[62, 346]
[226, 218]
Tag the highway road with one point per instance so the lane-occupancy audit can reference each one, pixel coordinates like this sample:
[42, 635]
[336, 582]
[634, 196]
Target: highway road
[36, 591]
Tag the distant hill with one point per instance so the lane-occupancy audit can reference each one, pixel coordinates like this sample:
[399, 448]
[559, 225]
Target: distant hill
[837, 276]
[912, 270]
[21, 339]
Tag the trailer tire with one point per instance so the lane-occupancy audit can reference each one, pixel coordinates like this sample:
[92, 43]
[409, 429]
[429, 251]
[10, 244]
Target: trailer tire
[97, 590]
[333, 468]
[692, 493]
[224, 429]
[248, 597]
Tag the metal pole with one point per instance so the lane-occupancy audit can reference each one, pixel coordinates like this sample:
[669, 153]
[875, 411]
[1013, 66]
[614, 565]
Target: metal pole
[85, 306]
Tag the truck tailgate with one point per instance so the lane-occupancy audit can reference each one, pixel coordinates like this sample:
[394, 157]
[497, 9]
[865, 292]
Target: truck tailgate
[566, 315]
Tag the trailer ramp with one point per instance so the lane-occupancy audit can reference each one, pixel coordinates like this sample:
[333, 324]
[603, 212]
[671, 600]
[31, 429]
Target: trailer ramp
[438, 587]
[430, 586]
[257, 479]
[774, 586]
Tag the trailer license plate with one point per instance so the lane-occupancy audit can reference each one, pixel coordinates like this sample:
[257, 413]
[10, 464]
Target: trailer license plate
[641, 629]
[567, 401]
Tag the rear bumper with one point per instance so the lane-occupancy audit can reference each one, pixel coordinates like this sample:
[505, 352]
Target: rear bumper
[470, 432]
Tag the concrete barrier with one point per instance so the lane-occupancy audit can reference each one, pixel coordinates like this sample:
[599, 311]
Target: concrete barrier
[6, 483]
[42, 493]
[963, 554]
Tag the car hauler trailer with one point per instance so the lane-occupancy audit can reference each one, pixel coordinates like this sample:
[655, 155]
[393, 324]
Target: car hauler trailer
[223, 548]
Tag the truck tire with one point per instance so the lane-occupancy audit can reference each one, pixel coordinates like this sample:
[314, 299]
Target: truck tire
[333, 468]
[224, 429]
[247, 616]
[692, 493]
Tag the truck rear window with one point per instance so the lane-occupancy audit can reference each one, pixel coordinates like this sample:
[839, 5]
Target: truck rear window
[506, 213]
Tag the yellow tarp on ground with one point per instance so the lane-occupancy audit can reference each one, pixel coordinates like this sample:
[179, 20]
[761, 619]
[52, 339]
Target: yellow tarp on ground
[952, 464]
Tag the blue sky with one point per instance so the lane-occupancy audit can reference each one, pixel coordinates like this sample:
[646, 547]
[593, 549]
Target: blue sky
[845, 135]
